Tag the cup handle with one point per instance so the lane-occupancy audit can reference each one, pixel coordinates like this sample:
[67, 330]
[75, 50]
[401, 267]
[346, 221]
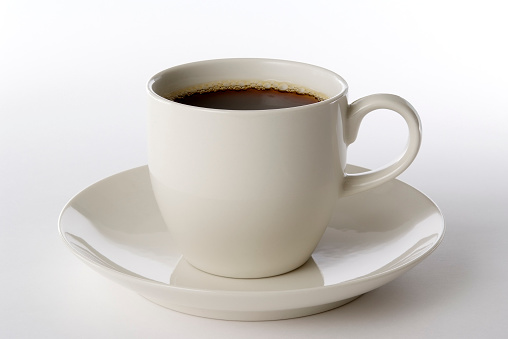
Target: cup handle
[355, 183]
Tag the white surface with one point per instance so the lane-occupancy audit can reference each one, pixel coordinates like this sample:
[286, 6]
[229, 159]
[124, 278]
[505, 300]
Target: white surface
[72, 78]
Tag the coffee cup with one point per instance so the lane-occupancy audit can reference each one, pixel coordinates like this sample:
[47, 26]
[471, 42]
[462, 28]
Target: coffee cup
[247, 159]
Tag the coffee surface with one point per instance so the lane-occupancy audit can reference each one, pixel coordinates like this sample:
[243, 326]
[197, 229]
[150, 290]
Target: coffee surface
[246, 99]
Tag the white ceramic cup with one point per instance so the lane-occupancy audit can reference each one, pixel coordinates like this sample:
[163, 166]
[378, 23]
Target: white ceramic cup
[249, 193]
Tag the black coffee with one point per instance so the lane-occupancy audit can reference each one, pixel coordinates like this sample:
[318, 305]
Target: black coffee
[247, 99]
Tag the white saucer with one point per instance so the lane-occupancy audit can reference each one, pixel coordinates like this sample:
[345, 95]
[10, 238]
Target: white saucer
[115, 227]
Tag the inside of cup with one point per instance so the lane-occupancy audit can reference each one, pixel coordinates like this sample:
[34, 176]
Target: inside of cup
[266, 73]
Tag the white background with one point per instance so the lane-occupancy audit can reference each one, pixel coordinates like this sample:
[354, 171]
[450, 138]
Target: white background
[72, 108]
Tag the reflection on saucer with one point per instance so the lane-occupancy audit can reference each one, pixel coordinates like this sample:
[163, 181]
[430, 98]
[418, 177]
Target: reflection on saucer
[187, 276]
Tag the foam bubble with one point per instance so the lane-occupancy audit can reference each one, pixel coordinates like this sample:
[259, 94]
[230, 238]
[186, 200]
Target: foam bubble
[283, 87]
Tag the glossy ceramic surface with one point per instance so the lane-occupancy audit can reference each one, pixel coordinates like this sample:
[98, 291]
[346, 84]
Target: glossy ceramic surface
[116, 228]
[249, 193]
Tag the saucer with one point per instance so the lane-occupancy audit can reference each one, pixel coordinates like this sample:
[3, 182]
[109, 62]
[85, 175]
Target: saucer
[115, 227]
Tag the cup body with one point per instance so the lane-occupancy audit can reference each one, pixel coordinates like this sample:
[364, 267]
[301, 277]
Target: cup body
[247, 193]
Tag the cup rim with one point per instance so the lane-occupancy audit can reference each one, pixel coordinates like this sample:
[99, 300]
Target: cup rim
[151, 92]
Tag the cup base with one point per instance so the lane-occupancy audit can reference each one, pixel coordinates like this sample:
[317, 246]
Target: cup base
[246, 273]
